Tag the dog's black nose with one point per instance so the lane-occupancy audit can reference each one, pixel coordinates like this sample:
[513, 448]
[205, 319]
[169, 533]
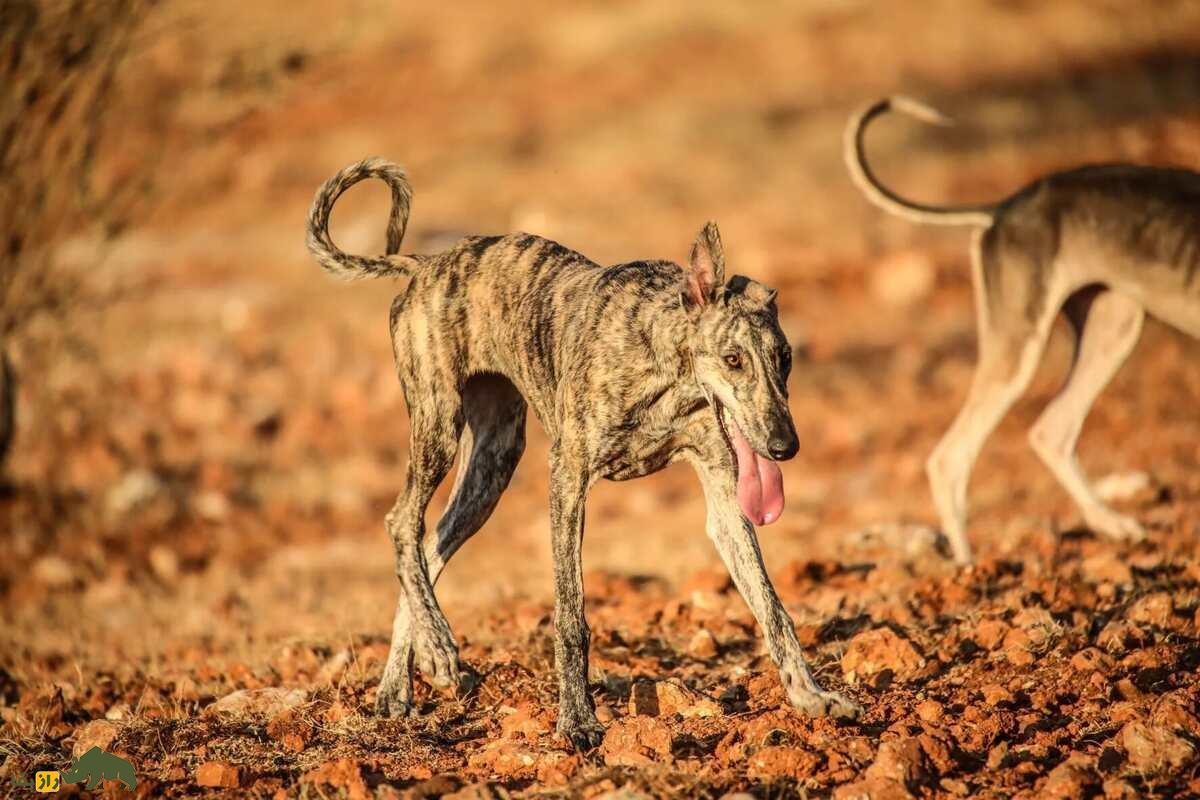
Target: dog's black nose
[781, 448]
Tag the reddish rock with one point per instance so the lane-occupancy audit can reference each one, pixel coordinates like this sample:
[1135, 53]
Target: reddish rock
[1119, 635]
[702, 645]
[664, 698]
[878, 656]
[636, 741]
[1152, 749]
[1039, 626]
[873, 789]
[902, 761]
[930, 711]
[97, 733]
[217, 774]
[996, 695]
[267, 701]
[290, 729]
[1069, 780]
[1091, 659]
[1172, 713]
[524, 722]
[342, 773]
[1106, 567]
[513, 760]
[989, 633]
[1118, 789]
[782, 762]
[1157, 609]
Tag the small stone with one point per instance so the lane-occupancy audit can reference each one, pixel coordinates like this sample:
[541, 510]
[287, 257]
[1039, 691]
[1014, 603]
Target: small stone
[664, 698]
[930, 711]
[1154, 750]
[163, 563]
[1119, 635]
[1069, 780]
[996, 695]
[53, 571]
[217, 774]
[955, 786]
[769, 763]
[267, 701]
[702, 645]
[902, 761]
[1118, 789]
[1091, 659]
[879, 656]
[990, 633]
[341, 773]
[636, 741]
[1106, 567]
[1157, 609]
[97, 733]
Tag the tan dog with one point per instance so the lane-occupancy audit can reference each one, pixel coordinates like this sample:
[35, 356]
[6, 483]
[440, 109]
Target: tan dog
[1104, 244]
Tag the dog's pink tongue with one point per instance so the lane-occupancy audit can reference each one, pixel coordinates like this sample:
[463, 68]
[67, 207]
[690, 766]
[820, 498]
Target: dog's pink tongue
[760, 482]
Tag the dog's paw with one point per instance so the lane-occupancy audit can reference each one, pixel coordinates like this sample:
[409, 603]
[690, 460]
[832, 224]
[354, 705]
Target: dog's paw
[825, 704]
[1115, 526]
[435, 653]
[583, 731]
[394, 700]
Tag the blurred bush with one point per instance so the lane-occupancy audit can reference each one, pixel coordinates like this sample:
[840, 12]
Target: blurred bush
[58, 60]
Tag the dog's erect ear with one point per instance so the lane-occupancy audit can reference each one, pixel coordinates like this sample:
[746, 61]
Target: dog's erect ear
[762, 295]
[706, 267]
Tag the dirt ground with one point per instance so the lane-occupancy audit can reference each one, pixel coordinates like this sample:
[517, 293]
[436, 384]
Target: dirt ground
[195, 573]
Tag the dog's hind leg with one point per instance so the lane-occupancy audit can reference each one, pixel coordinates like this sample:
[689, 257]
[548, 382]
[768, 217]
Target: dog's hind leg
[737, 544]
[436, 423]
[1016, 311]
[1108, 326]
[491, 444]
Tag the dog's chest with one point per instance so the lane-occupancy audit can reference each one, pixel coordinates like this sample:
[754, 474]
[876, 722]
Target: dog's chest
[647, 436]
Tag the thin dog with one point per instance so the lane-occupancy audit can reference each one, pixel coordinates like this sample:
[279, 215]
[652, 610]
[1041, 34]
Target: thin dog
[628, 368]
[1105, 244]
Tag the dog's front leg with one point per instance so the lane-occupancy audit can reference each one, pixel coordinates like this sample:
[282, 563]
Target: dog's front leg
[737, 543]
[568, 489]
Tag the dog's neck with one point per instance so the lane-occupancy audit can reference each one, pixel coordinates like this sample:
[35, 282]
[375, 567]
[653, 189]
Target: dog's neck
[671, 333]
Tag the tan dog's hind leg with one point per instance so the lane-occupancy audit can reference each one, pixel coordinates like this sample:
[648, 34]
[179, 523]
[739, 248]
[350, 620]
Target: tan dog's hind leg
[1015, 315]
[1108, 330]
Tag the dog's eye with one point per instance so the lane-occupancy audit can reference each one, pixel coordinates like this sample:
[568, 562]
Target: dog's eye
[733, 360]
[785, 356]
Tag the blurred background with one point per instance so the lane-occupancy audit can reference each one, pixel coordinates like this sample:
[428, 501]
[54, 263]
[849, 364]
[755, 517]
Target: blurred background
[208, 430]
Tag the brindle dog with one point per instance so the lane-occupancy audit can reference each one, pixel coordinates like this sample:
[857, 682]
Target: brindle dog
[628, 368]
[1105, 244]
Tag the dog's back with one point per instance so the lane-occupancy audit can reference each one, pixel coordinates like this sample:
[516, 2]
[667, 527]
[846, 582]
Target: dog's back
[1129, 227]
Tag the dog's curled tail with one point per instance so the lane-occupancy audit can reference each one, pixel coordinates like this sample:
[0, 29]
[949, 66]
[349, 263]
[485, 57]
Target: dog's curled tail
[856, 161]
[345, 265]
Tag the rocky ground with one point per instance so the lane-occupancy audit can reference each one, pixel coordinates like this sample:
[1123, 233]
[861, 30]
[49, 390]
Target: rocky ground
[196, 575]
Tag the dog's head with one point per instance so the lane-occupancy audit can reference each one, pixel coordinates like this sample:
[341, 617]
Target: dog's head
[742, 360]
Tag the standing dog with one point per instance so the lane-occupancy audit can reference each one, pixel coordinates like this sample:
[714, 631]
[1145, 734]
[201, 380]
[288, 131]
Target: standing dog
[628, 368]
[1105, 244]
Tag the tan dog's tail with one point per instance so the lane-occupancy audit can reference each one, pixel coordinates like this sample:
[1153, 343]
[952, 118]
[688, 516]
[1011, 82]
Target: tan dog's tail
[856, 161]
[344, 265]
